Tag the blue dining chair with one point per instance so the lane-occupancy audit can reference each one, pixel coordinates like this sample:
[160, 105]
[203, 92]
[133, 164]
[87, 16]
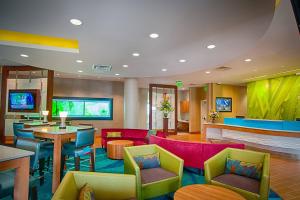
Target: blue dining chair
[7, 177]
[80, 147]
[16, 127]
[46, 149]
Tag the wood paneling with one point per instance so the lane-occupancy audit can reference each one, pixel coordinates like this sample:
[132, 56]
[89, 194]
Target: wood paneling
[5, 73]
[151, 86]
[50, 82]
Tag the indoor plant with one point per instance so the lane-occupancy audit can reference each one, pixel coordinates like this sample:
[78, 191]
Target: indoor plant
[213, 115]
[166, 108]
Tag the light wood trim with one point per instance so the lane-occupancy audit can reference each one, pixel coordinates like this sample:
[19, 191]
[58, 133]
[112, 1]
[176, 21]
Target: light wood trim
[252, 130]
[21, 186]
[206, 192]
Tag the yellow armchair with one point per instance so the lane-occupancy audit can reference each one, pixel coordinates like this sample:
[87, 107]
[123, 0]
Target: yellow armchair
[105, 185]
[251, 189]
[165, 179]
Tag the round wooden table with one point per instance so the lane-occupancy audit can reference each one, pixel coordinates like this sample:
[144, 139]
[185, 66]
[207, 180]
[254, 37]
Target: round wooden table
[115, 148]
[206, 192]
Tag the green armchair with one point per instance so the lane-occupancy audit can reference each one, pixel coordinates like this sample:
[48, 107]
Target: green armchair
[250, 188]
[105, 185]
[154, 182]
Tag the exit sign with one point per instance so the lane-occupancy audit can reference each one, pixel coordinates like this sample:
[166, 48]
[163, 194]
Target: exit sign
[179, 84]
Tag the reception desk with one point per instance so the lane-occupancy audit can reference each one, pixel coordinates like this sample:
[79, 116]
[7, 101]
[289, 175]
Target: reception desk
[274, 135]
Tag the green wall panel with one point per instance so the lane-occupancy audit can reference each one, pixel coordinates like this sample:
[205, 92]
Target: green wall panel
[277, 98]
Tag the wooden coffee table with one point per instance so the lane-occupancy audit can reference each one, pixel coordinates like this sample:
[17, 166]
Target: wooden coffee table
[206, 192]
[115, 148]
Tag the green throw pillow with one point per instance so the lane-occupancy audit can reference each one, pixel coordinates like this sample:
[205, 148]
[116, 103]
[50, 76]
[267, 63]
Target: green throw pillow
[251, 170]
[113, 134]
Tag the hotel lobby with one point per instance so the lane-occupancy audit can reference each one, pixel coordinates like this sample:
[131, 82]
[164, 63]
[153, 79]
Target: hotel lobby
[136, 99]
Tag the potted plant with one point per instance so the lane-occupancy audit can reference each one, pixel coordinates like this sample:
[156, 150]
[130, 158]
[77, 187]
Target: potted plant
[166, 108]
[213, 115]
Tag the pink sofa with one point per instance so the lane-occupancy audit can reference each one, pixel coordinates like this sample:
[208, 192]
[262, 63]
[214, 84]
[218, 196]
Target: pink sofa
[194, 154]
[138, 136]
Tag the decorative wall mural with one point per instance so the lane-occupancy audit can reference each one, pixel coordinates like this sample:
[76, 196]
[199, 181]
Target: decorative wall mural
[277, 98]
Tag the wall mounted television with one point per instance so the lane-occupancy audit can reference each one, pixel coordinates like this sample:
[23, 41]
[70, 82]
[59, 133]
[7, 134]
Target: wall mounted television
[223, 104]
[24, 100]
[83, 108]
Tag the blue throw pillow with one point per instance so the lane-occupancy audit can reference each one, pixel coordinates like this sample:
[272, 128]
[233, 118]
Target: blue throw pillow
[251, 170]
[147, 161]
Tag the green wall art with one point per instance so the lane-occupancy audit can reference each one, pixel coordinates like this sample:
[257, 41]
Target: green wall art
[276, 98]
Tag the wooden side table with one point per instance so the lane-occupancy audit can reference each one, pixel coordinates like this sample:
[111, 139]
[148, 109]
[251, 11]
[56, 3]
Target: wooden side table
[206, 192]
[115, 148]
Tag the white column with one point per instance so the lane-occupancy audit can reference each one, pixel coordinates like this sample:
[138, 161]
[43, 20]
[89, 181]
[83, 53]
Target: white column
[131, 103]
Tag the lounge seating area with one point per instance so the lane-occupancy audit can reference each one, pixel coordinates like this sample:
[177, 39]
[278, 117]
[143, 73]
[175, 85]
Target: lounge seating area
[158, 100]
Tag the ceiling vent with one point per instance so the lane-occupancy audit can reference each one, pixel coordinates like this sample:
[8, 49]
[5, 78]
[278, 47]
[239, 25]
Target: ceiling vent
[223, 68]
[102, 68]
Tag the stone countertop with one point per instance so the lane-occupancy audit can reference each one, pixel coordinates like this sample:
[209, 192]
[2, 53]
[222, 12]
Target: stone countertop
[10, 153]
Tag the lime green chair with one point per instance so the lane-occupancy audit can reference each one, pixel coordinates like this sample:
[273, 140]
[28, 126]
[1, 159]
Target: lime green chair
[156, 181]
[250, 188]
[105, 185]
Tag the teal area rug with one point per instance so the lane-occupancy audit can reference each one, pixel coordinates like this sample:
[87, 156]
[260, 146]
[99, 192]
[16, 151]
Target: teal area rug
[106, 165]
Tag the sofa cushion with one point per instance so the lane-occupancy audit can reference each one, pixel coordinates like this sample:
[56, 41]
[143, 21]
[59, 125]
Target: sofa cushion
[114, 134]
[241, 182]
[155, 174]
[147, 161]
[251, 170]
[86, 193]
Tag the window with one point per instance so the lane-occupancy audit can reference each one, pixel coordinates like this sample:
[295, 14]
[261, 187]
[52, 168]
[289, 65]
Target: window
[83, 108]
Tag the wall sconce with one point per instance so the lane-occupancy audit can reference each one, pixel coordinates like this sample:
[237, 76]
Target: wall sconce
[45, 113]
[63, 115]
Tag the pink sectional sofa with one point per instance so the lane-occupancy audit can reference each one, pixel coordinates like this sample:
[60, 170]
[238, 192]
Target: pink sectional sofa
[138, 136]
[194, 154]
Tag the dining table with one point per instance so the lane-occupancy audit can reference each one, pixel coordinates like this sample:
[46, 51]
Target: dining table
[18, 159]
[58, 135]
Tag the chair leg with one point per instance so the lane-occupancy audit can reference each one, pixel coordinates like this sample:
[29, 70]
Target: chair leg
[62, 166]
[92, 161]
[34, 195]
[48, 163]
[41, 170]
[77, 163]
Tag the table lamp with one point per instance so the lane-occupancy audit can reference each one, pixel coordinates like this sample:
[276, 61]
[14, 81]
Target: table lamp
[63, 115]
[45, 114]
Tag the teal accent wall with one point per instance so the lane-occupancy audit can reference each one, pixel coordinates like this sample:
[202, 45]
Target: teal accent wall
[276, 98]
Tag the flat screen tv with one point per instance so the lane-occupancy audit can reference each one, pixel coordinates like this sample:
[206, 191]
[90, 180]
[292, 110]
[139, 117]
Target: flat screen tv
[223, 104]
[83, 108]
[24, 100]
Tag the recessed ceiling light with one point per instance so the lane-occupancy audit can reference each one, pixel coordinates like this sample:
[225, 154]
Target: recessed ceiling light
[207, 72]
[211, 46]
[24, 55]
[248, 60]
[76, 22]
[164, 70]
[79, 61]
[80, 71]
[117, 74]
[182, 60]
[135, 54]
[154, 35]
[125, 66]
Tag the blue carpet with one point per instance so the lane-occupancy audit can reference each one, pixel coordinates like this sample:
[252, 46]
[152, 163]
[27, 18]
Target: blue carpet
[106, 165]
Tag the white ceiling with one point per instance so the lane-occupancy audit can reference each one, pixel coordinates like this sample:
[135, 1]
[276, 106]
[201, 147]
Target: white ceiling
[112, 30]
